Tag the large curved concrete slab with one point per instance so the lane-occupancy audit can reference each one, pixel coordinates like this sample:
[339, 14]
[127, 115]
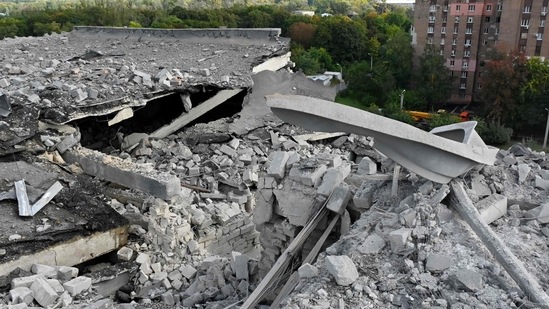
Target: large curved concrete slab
[437, 158]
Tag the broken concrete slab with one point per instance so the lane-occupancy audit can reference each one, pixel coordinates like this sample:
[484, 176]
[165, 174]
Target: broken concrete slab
[125, 173]
[372, 244]
[438, 262]
[277, 166]
[68, 142]
[5, 106]
[414, 149]
[398, 239]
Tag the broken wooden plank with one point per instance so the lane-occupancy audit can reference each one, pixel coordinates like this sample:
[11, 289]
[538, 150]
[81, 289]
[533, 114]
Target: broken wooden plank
[23, 199]
[294, 278]
[281, 264]
[528, 283]
[183, 120]
[46, 198]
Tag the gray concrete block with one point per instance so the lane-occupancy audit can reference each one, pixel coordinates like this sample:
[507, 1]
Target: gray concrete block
[541, 183]
[24, 281]
[113, 169]
[264, 206]
[339, 199]
[307, 271]
[68, 142]
[21, 295]
[277, 166]
[540, 213]
[44, 270]
[241, 267]
[363, 196]
[312, 177]
[523, 171]
[438, 262]
[367, 167]
[492, 208]
[188, 271]
[77, 285]
[65, 273]
[372, 244]
[468, 280]
[331, 179]
[125, 254]
[342, 268]
[44, 294]
[398, 239]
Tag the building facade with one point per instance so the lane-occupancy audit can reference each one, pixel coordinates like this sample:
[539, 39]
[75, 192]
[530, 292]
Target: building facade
[468, 30]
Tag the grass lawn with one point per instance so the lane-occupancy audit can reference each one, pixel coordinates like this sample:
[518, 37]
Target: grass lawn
[349, 102]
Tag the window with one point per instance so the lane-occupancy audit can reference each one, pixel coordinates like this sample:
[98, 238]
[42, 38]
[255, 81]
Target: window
[452, 63]
[467, 53]
[544, 11]
[524, 35]
[453, 53]
[471, 7]
[497, 31]
[430, 29]
[470, 19]
[467, 42]
[454, 42]
[542, 23]
[539, 36]
[441, 43]
[432, 19]
[500, 7]
[445, 8]
[429, 40]
[462, 86]
[455, 30]
[522, 48]
[479, 86]
[464, 74]
[458, 8]
[456, 20]
[462, 95]
[498, 19]
[469, 31]
[441, 52]
[486, 30]
[432, 8]
[443, 30]
[487, 19]
[525, 23]
[488, 7]
[484, 42]
[444, 18]
[527, 9]
[479, 74]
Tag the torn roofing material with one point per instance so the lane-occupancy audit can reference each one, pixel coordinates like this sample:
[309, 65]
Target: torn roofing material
[95, 71]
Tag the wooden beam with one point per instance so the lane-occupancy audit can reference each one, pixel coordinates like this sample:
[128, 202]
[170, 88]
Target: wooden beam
[294, 278]
[281, 264]
[528, 283]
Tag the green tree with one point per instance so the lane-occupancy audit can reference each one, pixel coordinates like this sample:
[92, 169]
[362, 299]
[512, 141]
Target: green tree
[397, 55]
[433, 78]
[504, 78]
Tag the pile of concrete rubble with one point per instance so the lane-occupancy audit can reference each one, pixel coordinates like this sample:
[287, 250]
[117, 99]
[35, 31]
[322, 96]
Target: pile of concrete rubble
[202, 215]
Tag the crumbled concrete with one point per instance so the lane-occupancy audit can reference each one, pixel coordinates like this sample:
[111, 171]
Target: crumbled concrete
[373, 244]
[342, 268]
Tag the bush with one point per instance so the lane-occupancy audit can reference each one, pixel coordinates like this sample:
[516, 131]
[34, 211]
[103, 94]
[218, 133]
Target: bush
[493, 133]
[438, 120]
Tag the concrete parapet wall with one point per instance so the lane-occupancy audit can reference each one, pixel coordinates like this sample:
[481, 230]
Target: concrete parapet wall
[246, 33]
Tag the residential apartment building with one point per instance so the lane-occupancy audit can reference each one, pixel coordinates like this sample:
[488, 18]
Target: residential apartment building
[467, 30]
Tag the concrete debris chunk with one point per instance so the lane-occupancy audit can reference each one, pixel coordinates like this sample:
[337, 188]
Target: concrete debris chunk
[22, 295]
[372, 244]
[78, 285]
[339, 199]
[367, 167]
[342, 268]
[307, 271]
[44, 294]
[523, 171]
[398, 239]
[438, 262]
[468, 280]
[277, 166]
[540, 213]
[492, 208]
